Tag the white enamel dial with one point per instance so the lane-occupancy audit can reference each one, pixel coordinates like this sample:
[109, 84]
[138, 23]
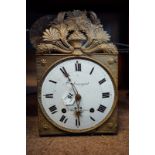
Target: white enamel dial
[77, 94]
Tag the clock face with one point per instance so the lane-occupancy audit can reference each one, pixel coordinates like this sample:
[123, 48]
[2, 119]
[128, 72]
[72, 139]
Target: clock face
[77, 94]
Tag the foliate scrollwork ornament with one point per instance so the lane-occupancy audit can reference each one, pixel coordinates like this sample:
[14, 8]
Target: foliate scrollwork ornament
[76, 32]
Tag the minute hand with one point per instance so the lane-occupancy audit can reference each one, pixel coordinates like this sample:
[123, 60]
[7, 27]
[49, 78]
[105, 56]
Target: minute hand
[63, 70]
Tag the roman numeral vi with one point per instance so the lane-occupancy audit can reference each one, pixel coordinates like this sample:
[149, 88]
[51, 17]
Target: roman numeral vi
[77, 122]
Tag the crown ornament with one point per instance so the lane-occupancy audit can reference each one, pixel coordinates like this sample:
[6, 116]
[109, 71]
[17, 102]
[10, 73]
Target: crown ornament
[76, 32]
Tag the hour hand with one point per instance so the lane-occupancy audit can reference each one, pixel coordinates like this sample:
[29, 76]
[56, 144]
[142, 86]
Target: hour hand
[64, 72]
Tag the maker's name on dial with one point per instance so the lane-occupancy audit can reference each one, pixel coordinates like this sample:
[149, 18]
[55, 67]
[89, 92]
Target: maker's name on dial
[79, 84]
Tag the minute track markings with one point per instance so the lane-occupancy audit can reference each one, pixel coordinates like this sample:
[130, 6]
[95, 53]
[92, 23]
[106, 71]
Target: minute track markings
[91, 71]
[52, 81]
[92, 118]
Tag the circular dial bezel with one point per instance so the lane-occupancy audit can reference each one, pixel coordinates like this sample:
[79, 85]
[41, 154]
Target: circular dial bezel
[76, 130]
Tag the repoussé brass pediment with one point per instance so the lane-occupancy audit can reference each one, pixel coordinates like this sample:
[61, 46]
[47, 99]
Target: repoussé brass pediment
[77, 32]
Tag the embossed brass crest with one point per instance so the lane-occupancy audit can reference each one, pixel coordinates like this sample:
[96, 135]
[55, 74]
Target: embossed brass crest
[75, 32]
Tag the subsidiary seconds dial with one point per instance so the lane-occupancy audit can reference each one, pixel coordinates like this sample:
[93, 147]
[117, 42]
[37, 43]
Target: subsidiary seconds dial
[77, 94]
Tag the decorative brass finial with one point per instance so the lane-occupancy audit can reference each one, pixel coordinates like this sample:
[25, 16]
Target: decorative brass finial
[76, 32]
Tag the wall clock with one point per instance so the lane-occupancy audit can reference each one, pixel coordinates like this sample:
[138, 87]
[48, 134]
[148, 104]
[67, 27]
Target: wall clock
[77, 75]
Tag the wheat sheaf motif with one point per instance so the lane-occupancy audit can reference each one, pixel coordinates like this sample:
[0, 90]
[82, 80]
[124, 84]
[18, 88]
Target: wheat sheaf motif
[76, 32]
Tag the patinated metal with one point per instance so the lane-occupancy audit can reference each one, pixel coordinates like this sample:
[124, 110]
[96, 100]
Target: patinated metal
[75, 34]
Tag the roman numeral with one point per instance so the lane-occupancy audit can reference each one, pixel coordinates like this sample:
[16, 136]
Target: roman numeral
[101, 108]
[52, 81]
[63, 119]
[64, 72]
[53, 109]
[91, 71]
[92, 118]
[77, 122]
[77, 66]
[48, 95]
[105, 95]
[102, 81]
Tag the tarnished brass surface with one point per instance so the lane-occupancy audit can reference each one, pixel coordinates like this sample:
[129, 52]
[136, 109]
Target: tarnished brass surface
[75, 34]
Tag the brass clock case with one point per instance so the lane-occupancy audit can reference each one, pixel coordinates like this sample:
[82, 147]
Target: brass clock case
[80, 130]
[73, 34]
